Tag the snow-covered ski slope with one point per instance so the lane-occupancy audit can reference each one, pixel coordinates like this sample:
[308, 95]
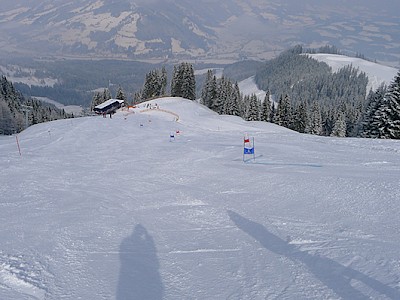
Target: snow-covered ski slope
[100, 208]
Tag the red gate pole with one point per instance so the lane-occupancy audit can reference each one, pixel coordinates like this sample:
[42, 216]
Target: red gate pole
[19, 149]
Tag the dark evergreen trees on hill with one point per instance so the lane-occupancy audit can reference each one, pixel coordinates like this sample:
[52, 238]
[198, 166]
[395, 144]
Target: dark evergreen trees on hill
[339, 129]
[305, 81]
[283, 116]
[222, 95]
[392, 109]
[371, 119]
[265, 114]
[209, 90]
[155, 84]
[16, 112]
[253, 110]
[121, 95]
[382, 115]
[279, 75]
[183, 83]
[314, 125]
[11, 115]
[100, 97]
[312, 99]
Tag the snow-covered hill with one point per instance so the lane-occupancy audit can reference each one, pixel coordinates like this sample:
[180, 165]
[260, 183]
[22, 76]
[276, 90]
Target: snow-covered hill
[377, 73]
[100, 208]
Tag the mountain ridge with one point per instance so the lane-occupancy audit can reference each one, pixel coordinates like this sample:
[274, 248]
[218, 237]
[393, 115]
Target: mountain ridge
[226, 30]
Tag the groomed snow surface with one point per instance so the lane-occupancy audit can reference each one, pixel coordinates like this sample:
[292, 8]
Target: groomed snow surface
[100, 208]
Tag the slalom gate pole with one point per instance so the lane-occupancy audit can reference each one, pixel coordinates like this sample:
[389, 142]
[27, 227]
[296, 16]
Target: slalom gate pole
[19, 149]
[254, 150]
[244, 144]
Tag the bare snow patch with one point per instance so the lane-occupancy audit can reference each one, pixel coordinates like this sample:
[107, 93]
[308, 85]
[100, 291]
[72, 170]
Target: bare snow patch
[248, 87]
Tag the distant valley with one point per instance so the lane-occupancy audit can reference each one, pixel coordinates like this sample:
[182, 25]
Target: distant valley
[222, 31]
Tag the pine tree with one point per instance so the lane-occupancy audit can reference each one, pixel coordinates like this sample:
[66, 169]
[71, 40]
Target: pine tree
[137, 97]
[339, 129]
[121, 95]
[315, 121]
[229, 98]
[266, 108]
[228, 102]
[374, 100]
[236, 101]
[381, 121]
[192, 84]
[300, 119]
[13, 109]
[183, 83]
[221, 96]
[96, 100]
[6, 119]
[176, 83]
[212, 93]
[164, 80]
[273, 113]
[287, 112]
[147, 90]
[188, 82]
[284, 112]
[209, 90]
[253, 113]
[382, 118]
[106, 95]
[353, 117]
[393, 108]
[155, 84]
[205, 94]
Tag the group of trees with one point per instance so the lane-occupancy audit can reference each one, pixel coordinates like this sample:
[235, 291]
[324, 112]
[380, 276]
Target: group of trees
[183, 83]
[155, 84]
[325, 103]
[381, 118]
[306, 96]
[224, 97]
[18, 112]
[327, 97]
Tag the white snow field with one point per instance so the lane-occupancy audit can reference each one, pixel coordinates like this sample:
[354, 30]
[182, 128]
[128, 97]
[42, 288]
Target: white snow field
[378, 74]
[100, 208]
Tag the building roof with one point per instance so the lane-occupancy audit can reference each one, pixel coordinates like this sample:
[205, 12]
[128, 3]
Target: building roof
[108, 102]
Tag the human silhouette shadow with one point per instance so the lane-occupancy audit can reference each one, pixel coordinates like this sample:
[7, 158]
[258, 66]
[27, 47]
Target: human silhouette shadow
[139, 276]
[332, 274]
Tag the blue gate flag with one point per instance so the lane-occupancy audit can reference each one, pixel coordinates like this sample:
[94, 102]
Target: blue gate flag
[248, 151]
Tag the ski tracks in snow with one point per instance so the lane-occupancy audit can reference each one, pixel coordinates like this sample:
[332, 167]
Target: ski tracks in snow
[24, 277]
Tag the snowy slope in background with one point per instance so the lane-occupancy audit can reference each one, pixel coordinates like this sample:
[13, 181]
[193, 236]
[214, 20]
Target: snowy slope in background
[377, 73]
[70, 109]
[249, 87]
[100, 208]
